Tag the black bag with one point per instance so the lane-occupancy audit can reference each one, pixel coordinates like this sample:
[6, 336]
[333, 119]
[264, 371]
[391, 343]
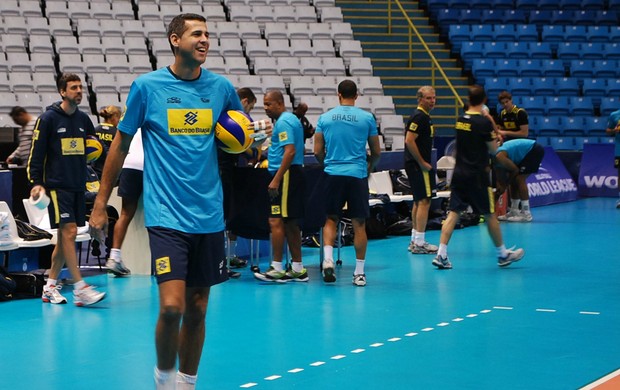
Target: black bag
[400, 182]
[375, 224]
[29, 284]
[7, 285]
[30, 232]
[400, 228]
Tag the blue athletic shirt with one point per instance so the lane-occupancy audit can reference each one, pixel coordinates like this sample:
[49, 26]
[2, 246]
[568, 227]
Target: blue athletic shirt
[286, 131]
[614, 120]
[182, 187]
[517, 148]
[346, 130]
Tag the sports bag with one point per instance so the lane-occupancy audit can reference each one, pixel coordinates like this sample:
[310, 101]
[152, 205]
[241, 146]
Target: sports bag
[30, 232]
[7, 285]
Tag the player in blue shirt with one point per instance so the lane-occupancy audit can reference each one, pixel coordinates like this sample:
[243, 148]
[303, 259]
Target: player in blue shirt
[177, 108]
[613, 128]
[286, 190]
[340, 144]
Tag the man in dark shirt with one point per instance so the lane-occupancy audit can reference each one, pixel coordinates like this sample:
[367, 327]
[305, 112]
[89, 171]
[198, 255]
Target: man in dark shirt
[470, 186]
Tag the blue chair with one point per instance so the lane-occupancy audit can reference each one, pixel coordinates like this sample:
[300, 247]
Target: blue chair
[507, 68]
[544, 86]
[569, 51]
[609, 105]
[553, 68]
[562, 17]
[549, 126]
[438, 5]
[471, 50]
[504, 32]
[492, 16]
[539, 17]
[570, 4]
[540, 50]
[581, 68]
[497, 4]
[548, 4]
[613, 87]
[606, 69]
[534, 105]
[611, 51]
[470, 16]
[530, 68]
[558, 105]
[534, 120]
[598, 33]
[594, 88]
[544, 141]
[552, 33]
[494, 86]
[520, 50]
[526, 33]
[573, 126]
[562, 143]
[461, 4]
[482, 32]
[457, 34]
[483, 68]
[580, 141]
[593, 50]
[526, 4]
[515, 16]
[580, 106]
[614, 34]
[595, 126]
[575, 34]
[593, 4]
[519, 86]
[447, 17]
[605, 18]
[495, 50]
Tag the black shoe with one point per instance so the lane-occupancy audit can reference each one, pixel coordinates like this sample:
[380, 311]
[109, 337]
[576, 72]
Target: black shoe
[233, 274]
[235, 262]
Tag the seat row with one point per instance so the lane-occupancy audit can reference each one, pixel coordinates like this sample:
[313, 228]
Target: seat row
[566, 105]
[523, 4]
[552, 86]
[545, 68]
[570, 142]
[551, 125]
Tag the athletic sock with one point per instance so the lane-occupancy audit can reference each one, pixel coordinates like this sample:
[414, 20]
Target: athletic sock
[328, 251]
[413, 234]
[79, 285]
[164, 379]
[514, 204]
[51, 282]
[186, 382]
[277, 265]
[501, 251]
[420, 238]
[115, 254]
[297, 266]
[525, 206]
[232, 252]
[359, 267]
[443, 250]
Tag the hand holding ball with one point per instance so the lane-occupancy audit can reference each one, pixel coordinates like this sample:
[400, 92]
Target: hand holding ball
[233, 132]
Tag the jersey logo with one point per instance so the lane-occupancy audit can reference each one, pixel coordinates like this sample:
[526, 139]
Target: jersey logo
[275, 210]
[162, 265]
[184, 121]
[463, 126]
[510, 125]
[413, 126]
[173, 100]
[283, 136]
[72, 146]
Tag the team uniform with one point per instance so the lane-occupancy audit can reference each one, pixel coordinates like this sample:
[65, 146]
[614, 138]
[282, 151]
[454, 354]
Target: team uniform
[105, 132]
[346, 130]
[470, 181]
[289, 203]
[182, 187]
[525, 153]
[512, 120]
[58, 160]
[422, 182]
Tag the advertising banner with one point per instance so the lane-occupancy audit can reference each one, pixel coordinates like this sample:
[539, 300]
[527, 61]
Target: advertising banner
[597, 175]
[552, 183]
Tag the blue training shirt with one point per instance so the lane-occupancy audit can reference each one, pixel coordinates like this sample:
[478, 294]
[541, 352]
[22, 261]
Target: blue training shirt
[286, 131]
[517, 148]
[182, 187]
[346, 130]
[612, 122]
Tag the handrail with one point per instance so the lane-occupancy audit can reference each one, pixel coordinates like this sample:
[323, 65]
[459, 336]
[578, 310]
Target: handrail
[434, 61]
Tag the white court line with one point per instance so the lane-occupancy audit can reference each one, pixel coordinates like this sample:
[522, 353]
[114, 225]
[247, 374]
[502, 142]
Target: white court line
[295, 370]
[316, 364]
[248, 385]
[457, 319]
[359, 350]
[471, 315]
[427, 329]
[443, 324]
[502, 307]
[273, 377]
[338, 357]
[547, 310]
[375, 345]
[411, 334]
[600, 381]
[393, 339]
[485, 311]
[593, 313]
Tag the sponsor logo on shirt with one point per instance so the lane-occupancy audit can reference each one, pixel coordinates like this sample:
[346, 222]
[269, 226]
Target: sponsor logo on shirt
[463, 126]
[283, 136]
[184, 121]
[173, 100]
[72, 146]
[162, 265]
[61, 130]
[275, 210]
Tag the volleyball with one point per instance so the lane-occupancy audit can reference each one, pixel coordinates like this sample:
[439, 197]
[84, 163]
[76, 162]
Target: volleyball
[232, 132]
[93, 149]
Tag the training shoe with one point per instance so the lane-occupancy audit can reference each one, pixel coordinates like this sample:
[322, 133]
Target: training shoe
[442, 262]
[424, 249]
[359, 280]
[292, 276]
[271, 275]
[235, 262]
[505, 217]
[51, 294]
[234, 274]
[329, 276]
[512, 257]
[87, 296]
[117, 267]
[411, 246]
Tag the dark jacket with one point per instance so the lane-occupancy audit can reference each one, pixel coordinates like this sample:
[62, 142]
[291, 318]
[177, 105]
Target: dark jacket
[58, 158]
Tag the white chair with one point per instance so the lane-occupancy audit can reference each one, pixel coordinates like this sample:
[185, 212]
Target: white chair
[40, 218]
[382, 184]
[4, 207]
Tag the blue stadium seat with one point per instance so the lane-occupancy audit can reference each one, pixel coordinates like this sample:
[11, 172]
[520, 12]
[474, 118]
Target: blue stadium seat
[573, 126]
[605, 18]
[470, 16]
[495, 50]
[519, 50]
[598, 33]
[548, 4]
[544, 86]
[569, 51]
[507, 68]
[611, 50]
[549, 126]
[614, 34]
[606, 69]
[535, 105]
[562, 143]
[438, 5]
[492, 16]
[562, 17]
[609, 105]
[458, 33]
[581, 106]
[471, 50]
[580, 141]
[539, 17]
[613, 87]
[504, 32]
[553, 68]
[575, 33]
[552, 33]
[526, 4]
[593, 50]
[519, 86]
[540, 50]
[558, 105]
[595, 125]
[526, 33]
[482, 32]
[482, 68]
[594, 88]
[447, 17]
[593, 4]
[497, 4]
[534, 120]
[493, 86]
[544, 141]
[515, 16]
[531, 68]
[570, 4]
[582, 68]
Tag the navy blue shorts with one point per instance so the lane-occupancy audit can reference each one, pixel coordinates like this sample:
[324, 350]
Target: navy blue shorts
[290, 201]
[422, 182]
[350, 190]
[66, 207]
[531, 161]
[199, 259]
[130, 184]
[474, 191]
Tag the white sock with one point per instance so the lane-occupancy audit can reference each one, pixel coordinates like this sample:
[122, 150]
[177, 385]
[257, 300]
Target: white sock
[443, 250]
[328, 251]
[514, 204]
[164, 379]
[501, 251]
[525, 206]
[297, 266]
[419, 238]
[115, 254]
[277, 265]
[359, 267]
[51, 282]
[232, 249]
[79, 285]
[186, 382]
[413, 234]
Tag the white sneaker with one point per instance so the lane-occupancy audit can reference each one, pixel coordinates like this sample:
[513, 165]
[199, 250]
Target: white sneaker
[359, 280]
[51, 294]
[505, 217]
[517, 217]
[329, 276]
[117, 267]
[87, 296]
[513, 256]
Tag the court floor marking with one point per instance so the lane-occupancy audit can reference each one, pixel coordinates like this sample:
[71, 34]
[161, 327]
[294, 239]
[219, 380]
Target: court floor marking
[409, 334]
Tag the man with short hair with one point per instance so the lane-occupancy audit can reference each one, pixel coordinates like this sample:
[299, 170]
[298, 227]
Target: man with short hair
[26, 123]
[340, 145]
[470, 186]
[57, 168]
[177, 108]
[419, 134]
[613, 129]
